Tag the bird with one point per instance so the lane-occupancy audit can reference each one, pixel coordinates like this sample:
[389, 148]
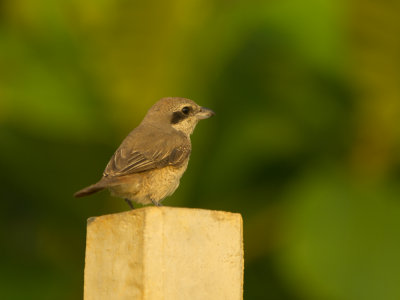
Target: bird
[148, 165]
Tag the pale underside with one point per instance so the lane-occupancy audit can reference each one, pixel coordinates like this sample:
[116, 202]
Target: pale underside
[150, 186]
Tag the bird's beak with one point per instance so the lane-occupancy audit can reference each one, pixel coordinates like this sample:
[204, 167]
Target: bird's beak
[204, 113]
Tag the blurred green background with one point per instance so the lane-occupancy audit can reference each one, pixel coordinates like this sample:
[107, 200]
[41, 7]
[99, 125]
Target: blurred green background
[305, 143]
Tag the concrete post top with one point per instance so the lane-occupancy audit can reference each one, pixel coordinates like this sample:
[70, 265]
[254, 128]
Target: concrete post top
[178, 211]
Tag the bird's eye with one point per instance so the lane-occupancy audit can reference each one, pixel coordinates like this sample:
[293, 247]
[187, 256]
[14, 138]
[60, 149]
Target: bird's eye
[186, 110]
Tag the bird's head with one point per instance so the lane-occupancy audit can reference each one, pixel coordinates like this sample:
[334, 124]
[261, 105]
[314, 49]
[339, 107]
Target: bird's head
[179, 113]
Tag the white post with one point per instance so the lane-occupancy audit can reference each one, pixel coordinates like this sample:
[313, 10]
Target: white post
[164, 253]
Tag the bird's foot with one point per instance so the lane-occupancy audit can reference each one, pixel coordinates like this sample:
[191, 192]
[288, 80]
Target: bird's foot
[156, 203]
[130, 203]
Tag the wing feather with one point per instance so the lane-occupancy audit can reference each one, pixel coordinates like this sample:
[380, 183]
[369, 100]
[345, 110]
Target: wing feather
[144, 150]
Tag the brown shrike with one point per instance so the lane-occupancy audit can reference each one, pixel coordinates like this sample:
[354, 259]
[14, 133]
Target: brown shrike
[149, 164]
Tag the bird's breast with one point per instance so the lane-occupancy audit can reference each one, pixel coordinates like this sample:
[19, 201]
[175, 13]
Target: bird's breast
[163, 182]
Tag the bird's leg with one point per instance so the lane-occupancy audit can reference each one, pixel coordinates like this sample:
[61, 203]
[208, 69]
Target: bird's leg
[129, 203]
[156, 203]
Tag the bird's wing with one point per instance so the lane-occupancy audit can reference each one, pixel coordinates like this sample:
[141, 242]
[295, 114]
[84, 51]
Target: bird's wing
[145, 150]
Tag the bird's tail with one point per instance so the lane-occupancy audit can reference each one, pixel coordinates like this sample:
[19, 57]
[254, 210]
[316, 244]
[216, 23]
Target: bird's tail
[91, 189]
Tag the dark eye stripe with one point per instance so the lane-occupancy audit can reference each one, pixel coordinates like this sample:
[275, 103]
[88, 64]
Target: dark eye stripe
[177, 117]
